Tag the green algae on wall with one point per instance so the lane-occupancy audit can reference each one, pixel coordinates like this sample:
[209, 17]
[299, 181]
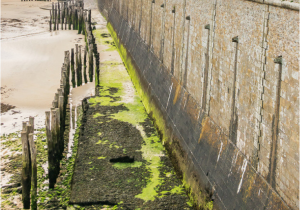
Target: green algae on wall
[150, 108]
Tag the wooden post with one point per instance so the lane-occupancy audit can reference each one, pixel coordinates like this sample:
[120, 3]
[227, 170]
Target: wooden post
[61, 20]
[80, 66]
[50, 21]
[62, 124]
[28, 131]
[24, 126]
[72, 68]
[65, 22]
[25, 171]
[90, 20]
[97, 73]
[73, 117]
[68, 72]
[31, 122]
[54, 16]
[56, 100]
[54, 104]
[58, 131]
[91, 62]
[69, 17]
[62, 13]
[83, 21]
[77, 66]
[57, 18]
[84, 65]
[58, 7]
[52, 178]
[78, 22]
[74, 18]
[33, 172]
[51, 162]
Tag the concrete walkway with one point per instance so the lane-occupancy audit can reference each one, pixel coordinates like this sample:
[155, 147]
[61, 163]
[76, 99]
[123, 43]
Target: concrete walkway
[121, 162]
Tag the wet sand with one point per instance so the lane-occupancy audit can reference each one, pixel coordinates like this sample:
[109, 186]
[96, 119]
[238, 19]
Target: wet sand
[31, 61]
[23, 18]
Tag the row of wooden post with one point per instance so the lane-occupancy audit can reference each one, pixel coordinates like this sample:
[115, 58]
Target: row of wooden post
[77, 18]
[72, 13]
[36, 0]
[29, 166]
[92, 50]
[55, 123]
[68, 14]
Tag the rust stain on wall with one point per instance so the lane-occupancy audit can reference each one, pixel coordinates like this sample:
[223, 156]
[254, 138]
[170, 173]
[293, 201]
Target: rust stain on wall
[177, 92]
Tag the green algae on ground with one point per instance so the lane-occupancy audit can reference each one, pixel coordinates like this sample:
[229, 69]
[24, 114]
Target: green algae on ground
[176, 190]
[102, 142]
[99, 142]
[103, 101]
[150, 107]
[127, 165]
[101, 158]
[98, 115]
[152, 148]
[104, 38]
[135, 115]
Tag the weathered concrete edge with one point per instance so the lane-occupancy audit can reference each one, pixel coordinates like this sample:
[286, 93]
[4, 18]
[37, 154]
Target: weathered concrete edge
[254, 192]
[282, 4]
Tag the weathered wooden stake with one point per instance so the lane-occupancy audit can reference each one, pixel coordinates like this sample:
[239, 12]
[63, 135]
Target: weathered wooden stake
[77, 66]
[69, 17]
[57, 19]
[51, 161]
[72, 68]
[50, 28]
[31, 122]
[28, 131]
[84, 65]
[58, 7]
[52, 17]
[54, 135]
[61, 20]
[62, 124]
[73, 117]
[91, 62]
[24, 126]
[33, 172]
[80, 67]
[54, 21]
[90, 20]
[25, 171]
[97, 79]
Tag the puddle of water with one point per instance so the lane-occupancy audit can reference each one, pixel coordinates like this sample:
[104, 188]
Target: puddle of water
[79, 93]
[73, 110]
[75, 98]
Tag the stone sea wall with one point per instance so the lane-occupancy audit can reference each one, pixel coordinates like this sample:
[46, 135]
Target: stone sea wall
[220, 78]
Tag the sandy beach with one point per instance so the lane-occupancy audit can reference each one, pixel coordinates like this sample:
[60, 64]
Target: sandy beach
[31, 61]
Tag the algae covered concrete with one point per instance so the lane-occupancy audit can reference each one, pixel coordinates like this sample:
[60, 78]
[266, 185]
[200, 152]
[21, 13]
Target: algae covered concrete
[115, 129]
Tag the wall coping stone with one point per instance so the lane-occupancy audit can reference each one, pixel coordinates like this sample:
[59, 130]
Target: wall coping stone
[278, 3]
